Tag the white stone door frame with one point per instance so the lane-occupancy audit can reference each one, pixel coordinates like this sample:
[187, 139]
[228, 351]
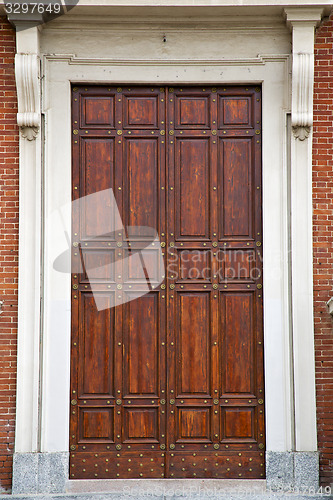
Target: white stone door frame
[42, 423]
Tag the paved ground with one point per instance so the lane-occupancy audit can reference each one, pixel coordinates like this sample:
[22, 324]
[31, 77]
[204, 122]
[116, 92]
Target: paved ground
[114, 496]
[183, 496]
[172, 489]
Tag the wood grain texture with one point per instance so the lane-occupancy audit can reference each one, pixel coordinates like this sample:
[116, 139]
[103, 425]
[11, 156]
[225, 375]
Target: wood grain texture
[141, 346]
[170, 384]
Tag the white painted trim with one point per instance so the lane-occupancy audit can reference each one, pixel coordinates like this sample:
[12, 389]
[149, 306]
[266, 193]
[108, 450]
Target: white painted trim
[260, 60]
[302, 295]
[27, 392]
[273, 72]
[28, 360]
[303, 23]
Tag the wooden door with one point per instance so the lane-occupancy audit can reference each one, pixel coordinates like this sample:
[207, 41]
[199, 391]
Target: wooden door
[170, 384]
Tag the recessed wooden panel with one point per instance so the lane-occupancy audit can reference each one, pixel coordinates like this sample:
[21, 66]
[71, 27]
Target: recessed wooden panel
[141, 424]
[194, 265]
[238, 423]
[193, 170]
[234, 111]
[97, 111]
[96, 424]
[194, 343]
[235, 178]
[99, 264]
[141, 334]
[237, 321]
[193, 424]
[141, 112]
[141, 167]
[142, 264]
[97, 344]
[97, 174]
[192, 112]
[240, 264]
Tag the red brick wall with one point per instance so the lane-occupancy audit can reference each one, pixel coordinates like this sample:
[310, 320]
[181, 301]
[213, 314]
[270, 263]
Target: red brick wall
[9, 198]
[323, 242]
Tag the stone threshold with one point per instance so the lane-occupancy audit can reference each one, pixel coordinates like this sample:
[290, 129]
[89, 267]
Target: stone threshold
[165, 486]
[167, 489]
[230, 495]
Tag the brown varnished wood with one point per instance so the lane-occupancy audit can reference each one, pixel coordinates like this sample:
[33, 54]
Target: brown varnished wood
[141, 363]
[170, 384]
[97, 329]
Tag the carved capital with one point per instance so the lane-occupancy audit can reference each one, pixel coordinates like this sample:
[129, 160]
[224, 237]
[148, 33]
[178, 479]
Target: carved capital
[28, 94]
[301, 133]
[302, 95]
[330, 306]
[29, 133]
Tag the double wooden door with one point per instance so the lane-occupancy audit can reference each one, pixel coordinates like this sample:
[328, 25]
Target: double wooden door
[169, 384]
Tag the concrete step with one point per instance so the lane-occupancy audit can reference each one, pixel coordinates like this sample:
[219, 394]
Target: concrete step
[171, 489]
[116, 496]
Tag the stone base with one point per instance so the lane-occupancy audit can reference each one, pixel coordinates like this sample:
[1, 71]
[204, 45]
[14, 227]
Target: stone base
[46, 474]
[294, 470]
[35, 473]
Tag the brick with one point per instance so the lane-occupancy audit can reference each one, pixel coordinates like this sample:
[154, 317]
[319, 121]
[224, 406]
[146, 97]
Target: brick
[9, 198]
[323, 243]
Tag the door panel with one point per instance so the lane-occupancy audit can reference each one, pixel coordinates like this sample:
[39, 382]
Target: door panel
[194, 425]
[236, 111]
[97, 111]
[169, 383]
[97, 343]
[140, 183]
[96, 424]
[194, 359]
[141, 424]
[141, 363]
[140, 112]
[192, 111]
[237, 314]
[235, 176]
[238, 424]
[192, 185]
[99, 153]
